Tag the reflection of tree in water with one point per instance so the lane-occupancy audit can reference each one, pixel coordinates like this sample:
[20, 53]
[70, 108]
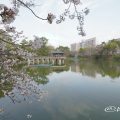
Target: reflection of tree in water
[110, 68]
[60, 69]
[21, 83]
[103, 67]
[38, 74]
[20, 86]
[5, 87]
[27, 90]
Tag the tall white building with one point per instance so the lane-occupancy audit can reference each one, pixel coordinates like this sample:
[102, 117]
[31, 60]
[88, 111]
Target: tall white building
[74, 47]
[88, 43]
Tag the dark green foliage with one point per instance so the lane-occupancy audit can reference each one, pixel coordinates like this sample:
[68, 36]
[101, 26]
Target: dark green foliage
[66, 50]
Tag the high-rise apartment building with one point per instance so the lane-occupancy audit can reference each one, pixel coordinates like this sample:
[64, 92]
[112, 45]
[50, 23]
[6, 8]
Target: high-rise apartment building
[88, 43]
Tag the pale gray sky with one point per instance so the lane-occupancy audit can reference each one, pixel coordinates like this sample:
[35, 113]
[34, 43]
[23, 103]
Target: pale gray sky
[103, 22]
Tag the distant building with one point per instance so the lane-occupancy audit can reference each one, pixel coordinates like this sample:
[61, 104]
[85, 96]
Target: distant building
[88, 43]
[75, 47]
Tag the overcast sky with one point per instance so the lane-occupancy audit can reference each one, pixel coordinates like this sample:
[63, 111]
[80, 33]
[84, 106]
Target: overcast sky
[103, 22]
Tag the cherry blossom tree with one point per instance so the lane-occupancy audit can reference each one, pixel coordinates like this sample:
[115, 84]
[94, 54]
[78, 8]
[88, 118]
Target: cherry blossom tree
[9, 49]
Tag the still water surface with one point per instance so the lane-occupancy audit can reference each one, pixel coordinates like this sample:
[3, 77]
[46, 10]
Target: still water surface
[80, 91]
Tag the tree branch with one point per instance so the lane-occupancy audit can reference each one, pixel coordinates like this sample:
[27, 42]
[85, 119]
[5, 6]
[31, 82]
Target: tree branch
[7, 41]
[31, 10]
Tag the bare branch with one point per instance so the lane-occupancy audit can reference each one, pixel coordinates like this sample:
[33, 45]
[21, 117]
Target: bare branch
[31, 10]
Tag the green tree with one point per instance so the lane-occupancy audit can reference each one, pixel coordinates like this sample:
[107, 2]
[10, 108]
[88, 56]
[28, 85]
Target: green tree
[26, 45]
[65, 49]
[110, 48]
[45, 41]
[51, 48]
[82, 51]
[43, 51]
[24, 42]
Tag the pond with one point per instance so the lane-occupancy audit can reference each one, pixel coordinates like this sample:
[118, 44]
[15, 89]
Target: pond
[79, 91]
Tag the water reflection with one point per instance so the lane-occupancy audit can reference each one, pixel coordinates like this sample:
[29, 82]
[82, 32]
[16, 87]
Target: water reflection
[25, 82]
[6, 86]
[39, 75]
[59, 93]
[93, 68]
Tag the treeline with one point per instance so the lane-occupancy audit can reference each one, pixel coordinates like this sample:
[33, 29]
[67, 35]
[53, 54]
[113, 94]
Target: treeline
[110, 49]
[44, 49]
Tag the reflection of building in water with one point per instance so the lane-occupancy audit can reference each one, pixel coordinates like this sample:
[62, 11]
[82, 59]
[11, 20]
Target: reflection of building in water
[75, 67]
